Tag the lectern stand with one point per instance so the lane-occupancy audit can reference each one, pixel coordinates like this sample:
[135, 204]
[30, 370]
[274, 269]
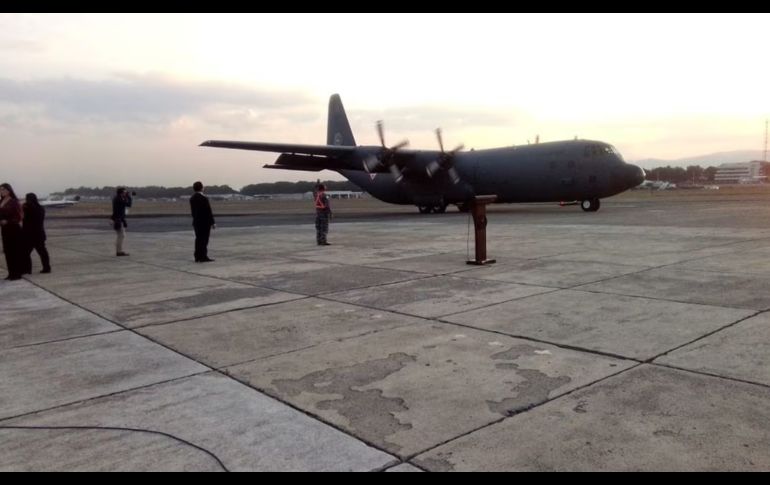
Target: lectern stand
[479, 211]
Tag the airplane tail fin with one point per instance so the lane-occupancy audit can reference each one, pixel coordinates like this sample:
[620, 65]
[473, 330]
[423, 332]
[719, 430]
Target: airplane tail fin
[338, 128]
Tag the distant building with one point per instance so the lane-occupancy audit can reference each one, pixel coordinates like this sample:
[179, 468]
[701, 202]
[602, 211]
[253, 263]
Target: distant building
[740, 173]
[338, 194]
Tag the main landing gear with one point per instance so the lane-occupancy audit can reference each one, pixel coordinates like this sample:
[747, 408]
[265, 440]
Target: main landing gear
[436, 209]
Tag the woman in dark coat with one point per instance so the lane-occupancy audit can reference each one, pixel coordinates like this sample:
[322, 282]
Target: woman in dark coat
[10, 227]
[34, 233]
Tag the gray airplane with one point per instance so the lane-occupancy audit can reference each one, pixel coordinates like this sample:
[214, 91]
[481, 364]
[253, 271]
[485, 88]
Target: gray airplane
[576, 170]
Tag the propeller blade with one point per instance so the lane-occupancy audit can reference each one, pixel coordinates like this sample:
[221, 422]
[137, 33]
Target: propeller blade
[396, 172]
[403, 144]
[381, 132]
[453, 175]
[432, 168]
[457, 148]
[440, 141]
[371, 164]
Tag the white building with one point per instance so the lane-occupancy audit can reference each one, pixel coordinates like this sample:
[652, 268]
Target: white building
[740, 173]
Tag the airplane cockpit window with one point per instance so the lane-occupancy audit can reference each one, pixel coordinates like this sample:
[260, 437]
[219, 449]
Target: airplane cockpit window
[614, 151]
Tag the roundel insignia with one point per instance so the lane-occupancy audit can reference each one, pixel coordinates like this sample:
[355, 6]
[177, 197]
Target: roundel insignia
[338, 139]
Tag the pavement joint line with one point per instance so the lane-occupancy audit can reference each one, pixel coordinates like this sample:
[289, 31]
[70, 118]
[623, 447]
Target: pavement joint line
[67, 339]
[541, 341]
[225, 368]
[102, 396]
[110, 428]
[654, 298]
[710, 374]
[706, 335]
[223, 312]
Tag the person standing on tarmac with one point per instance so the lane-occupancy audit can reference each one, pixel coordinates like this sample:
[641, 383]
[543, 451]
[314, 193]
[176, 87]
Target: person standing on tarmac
[120, 203]
[203, 223]
[323, 213]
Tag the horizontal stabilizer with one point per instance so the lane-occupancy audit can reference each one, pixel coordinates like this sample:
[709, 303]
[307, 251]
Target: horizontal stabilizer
[310, 163]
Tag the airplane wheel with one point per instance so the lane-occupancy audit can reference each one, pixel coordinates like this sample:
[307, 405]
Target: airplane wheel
[424, 209]
[439, 209]
[591, 205]
[464, 207]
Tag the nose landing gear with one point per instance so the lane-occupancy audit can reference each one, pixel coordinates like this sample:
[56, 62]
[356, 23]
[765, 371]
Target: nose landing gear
[590, 205]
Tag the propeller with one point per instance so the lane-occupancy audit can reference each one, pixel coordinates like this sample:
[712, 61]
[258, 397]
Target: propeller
[385, 157]
[445, 161]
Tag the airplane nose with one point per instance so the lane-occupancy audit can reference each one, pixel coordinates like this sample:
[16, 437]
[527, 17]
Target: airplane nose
[637, 175]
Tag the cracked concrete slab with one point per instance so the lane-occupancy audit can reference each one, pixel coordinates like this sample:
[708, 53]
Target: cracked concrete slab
[437, 296]
[30, 315]
[245, 335]
[648, 419]
[739, 352]
[242, 428]
[632, 327]
[411, 388]
[83, 368]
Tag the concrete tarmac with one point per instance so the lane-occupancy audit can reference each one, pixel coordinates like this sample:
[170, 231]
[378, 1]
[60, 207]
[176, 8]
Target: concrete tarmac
[631, 339]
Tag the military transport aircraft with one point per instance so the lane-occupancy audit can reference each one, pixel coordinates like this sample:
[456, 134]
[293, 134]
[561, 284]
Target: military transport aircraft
[574, 170]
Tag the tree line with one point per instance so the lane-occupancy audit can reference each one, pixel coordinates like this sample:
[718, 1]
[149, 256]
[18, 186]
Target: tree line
[693, 174]
[157, 192]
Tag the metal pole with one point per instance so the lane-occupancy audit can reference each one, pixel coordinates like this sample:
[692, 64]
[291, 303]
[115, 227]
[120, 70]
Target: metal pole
[479, 211]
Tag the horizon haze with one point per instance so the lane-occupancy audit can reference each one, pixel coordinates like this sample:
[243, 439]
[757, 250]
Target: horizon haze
[108, 99]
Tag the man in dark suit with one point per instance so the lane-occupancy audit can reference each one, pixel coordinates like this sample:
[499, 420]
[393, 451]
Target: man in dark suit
[203, 223]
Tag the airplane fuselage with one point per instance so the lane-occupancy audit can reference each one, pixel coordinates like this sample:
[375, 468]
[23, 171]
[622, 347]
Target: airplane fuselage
[545, 172]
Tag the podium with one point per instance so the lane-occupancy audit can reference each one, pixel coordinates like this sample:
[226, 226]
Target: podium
[479, 211]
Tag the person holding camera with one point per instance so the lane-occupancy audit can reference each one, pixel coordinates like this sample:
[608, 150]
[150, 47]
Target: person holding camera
[203, 223]
[120, 204]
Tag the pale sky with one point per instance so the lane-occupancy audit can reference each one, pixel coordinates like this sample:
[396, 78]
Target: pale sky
[125, 99]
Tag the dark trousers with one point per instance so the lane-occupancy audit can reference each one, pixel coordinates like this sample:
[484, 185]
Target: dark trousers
[321, 226]
[42, 251]
[202, 234]
[13, 246]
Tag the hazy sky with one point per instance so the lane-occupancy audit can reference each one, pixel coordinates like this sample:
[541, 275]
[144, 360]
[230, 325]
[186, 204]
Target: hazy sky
[108, 99]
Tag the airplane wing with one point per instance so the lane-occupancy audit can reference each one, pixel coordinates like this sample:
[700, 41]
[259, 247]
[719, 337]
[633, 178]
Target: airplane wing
[323, 150]
[314, 158]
